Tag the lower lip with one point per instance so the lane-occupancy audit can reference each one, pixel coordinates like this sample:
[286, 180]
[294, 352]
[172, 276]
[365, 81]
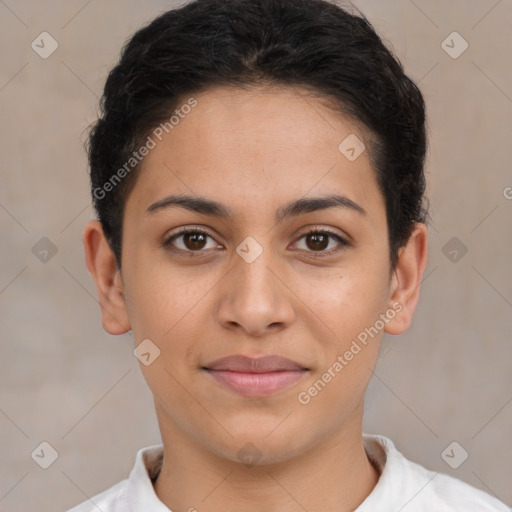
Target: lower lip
[257, 384]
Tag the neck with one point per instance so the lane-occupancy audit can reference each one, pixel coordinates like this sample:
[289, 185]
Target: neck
[335, 475]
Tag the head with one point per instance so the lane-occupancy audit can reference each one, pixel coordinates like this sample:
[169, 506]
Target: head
[262, 119]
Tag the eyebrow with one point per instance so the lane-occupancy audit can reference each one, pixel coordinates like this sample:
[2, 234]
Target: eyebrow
[212, 208]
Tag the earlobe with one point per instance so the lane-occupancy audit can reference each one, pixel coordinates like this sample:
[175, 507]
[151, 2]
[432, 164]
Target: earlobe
[406, 280]
[101, 262]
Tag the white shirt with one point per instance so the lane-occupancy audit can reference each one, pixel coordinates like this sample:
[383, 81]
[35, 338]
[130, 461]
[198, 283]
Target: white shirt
[403, 486]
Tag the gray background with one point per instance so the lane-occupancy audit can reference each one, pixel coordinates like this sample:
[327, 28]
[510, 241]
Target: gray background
[65, 381]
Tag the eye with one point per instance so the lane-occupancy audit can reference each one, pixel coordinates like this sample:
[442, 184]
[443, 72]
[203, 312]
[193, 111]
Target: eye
[318, 240]
[194, 240]
[189, 240]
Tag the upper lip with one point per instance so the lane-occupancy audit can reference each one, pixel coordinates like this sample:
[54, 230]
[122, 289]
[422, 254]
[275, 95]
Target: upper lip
[261, 364]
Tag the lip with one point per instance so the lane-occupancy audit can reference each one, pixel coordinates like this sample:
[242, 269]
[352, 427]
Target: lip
[254, 377]
[260, 364]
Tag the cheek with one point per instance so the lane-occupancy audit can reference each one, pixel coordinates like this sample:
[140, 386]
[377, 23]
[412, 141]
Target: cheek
[161, 297]
[168, 308]
[351, 309]
[350, 300]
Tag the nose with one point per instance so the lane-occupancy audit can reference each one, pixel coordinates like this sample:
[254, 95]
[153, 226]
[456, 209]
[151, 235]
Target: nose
[254, 297]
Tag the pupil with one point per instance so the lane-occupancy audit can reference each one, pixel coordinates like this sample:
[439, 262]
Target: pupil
[319, 245]
[195, 237]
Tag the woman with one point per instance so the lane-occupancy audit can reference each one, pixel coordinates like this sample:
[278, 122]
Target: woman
[258, 174]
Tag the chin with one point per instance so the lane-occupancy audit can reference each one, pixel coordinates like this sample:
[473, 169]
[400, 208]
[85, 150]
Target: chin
[255, 447]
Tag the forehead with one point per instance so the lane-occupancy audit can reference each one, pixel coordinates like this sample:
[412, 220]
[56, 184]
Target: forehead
[264, 145]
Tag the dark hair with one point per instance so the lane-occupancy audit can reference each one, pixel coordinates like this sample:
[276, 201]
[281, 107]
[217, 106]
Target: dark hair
[313, 44]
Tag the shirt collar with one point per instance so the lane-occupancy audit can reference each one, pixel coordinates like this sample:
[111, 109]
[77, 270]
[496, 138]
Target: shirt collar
[148, 461]
[141, 494]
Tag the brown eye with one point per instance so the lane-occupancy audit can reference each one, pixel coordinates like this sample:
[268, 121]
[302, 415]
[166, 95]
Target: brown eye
[194, 241]
[189, 241]
[318, 240]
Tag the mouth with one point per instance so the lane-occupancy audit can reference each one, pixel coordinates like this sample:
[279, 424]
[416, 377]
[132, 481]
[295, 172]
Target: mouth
[253, 377]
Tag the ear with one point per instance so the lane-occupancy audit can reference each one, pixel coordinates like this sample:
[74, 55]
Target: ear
[405, 283]
[101, 262]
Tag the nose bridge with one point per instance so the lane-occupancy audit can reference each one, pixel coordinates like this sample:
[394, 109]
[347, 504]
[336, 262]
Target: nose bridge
[252, 272]
[253, 297]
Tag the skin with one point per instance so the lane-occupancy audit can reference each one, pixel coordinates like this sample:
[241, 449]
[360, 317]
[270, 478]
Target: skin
[254, 151]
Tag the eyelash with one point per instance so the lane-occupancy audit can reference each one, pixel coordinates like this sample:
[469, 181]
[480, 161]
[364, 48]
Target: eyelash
[316, 254]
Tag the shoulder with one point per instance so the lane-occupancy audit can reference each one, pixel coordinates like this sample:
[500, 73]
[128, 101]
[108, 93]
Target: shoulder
[134, 493]
[107, 501]
[417, 489]
[451, 493]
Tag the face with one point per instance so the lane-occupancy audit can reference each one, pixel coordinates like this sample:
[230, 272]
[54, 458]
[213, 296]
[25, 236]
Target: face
[255, 281]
